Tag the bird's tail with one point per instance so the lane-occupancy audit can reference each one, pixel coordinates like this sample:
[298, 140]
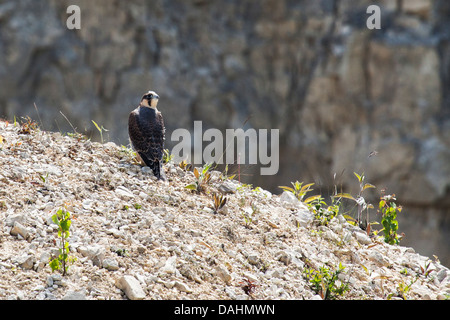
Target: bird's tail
[156, 166]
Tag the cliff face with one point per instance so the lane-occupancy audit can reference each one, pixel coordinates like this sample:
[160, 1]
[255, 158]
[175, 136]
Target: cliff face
[335, 90]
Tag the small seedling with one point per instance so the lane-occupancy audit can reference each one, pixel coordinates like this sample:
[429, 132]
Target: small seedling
[119, 251]
[298, 189]
[77, 136]
[389, 209]
[360, 201]
[248, 286]
[219, 202]
[247, 219]
[127, 151]
[202, 177]
[426, 269]
[225, 174]
[324, 282]
[403, 289]
[167, 157]
[100, 129]
[27, 126]
[43, 178]
[185, 166]
[63, 221]
[323, 213]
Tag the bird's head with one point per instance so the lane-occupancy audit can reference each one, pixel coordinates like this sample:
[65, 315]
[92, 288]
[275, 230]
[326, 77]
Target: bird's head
[150, 99]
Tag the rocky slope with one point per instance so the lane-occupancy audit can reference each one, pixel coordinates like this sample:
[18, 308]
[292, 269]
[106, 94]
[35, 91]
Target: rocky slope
[134, 237]
[312, 69]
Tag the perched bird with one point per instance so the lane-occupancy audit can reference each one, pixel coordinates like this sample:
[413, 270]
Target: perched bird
[146, 131]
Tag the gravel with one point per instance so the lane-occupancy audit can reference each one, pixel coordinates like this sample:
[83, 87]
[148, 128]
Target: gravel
[134, 237]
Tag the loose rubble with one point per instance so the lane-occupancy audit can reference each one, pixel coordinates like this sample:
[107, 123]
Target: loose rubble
[137, 238]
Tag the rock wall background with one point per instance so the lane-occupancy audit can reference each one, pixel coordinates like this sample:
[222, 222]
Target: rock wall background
[335, 89]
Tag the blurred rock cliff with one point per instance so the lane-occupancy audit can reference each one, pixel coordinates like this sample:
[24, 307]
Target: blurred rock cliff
[312, 69]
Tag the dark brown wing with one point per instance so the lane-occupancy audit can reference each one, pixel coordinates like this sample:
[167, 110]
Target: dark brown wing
[146, 131]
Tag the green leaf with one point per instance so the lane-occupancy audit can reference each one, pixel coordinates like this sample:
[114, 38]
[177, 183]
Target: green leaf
[312, 198]
[344, 195]
[55, 219]
[365, 269]
[54, 264]
[196, 173]
[191, 186]
[306, 188]
[368, 185]
[286, 188]
[96, 125]
[349, 218]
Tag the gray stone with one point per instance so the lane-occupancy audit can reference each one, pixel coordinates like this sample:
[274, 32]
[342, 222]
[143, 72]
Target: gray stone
[95, 252]
[223, 274]
[377, 257]
[54, 279]
[18, 228]
[131, 286]
[288, 200]
[183, 287]
[26, 261]
[284, 257]
[442, 274]
[124, 193]
[169, 266]
[362, 238]
[227, 188]
[253, 258]
[13, 218]
[110, 264]
[75, 295]
[304, 218]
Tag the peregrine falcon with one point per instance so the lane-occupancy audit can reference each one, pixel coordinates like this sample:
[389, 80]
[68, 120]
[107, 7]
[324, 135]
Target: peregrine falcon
[146, 132]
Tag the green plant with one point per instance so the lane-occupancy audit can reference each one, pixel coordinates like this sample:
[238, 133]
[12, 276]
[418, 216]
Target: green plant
[249, 211]
[325, 281]
[323, 213]
[426, 269]
[360, 201]
[78, 136]
[167, 157]
[248, 286]
[225, 174]
[100, 129]
[43, 178]
[389, 210]
[247, 218]
[203, 177]
[403, 289]
[185, 166]
[27, 126]
[299, 190]
[219, 202]
[63, 221]
[127, 151]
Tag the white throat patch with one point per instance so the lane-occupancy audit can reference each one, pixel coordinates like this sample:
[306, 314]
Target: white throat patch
[153, 103]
